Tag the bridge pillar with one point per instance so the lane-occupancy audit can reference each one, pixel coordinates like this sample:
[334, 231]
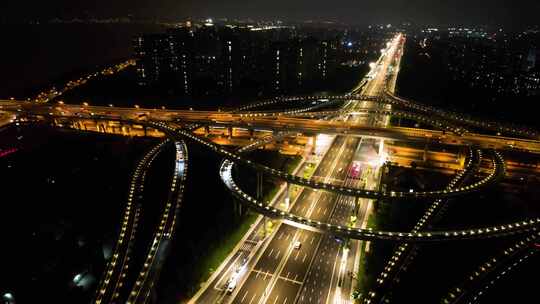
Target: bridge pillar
[251, 134]
[230, 132]
[424, 155]
[145, 131]
[237, 205]
[314, 144]
[259, 190]
[461, 157]
[259, 194]
[206, 131]
[382, 187]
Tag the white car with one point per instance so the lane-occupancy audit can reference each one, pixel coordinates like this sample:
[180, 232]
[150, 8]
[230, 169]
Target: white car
[297, 245]
[231, 286]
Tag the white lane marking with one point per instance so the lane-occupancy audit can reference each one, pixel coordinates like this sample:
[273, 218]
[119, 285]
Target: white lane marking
[252, 298]
[245, 294]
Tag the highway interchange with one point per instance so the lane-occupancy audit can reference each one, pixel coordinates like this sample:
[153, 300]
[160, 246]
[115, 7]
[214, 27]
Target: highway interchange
[304, 258]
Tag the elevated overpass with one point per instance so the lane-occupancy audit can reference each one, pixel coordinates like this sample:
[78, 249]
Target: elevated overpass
[284, 122]
[178, 125]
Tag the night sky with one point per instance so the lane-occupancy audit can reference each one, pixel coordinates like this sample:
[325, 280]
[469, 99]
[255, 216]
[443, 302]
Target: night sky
[494, 12]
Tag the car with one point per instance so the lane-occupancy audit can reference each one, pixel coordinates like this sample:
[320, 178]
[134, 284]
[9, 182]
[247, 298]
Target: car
[297, 245]
[340, 169]
[231, 286]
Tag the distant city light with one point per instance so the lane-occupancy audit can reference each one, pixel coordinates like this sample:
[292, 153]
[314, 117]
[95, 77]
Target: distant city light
[349, 44]
[8, 296]
[77, 278]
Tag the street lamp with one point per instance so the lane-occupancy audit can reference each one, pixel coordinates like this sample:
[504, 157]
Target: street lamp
[8, 298]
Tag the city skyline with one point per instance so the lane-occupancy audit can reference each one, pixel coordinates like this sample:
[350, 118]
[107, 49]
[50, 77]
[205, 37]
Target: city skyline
[307, 152]
[494, 13]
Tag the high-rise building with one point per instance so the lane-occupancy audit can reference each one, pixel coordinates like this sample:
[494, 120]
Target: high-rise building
[208, 60]
[181, 40]
[155, 58]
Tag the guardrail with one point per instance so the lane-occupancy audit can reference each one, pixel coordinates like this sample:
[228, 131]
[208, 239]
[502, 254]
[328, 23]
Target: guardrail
[116, 268]
[464, 119]
[163, 234]
[478, 281]
[403, 253]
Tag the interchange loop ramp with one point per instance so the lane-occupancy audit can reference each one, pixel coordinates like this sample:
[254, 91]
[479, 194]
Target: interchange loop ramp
[491, 271]
[404, 254]
[497, 173]
[368, 234]
[118, 265]
[365, 234]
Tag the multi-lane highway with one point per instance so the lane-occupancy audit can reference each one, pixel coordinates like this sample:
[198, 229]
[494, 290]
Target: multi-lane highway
[302, 266]
[308, 255]
[283, 265]
[172, 130]
[288, 266]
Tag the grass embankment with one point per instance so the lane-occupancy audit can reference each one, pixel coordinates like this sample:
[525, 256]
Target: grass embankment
[387, 215]
[374, 259]
[216, 257]
[212, 261]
